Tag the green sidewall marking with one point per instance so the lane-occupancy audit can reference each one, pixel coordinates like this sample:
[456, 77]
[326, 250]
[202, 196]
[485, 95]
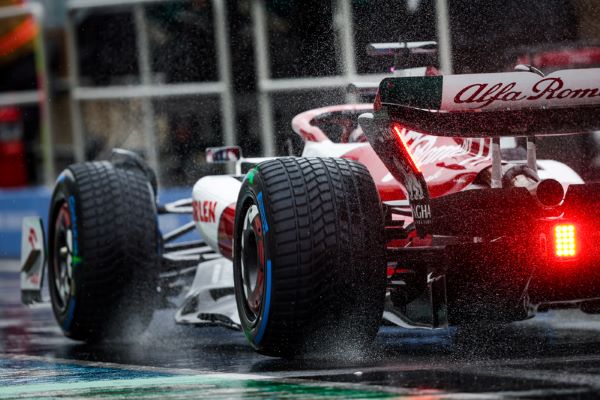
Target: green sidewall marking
[250, 175]
[248, 334]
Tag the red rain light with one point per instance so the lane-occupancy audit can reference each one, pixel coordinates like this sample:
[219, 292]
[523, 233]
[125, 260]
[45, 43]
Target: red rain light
[400, 131]
[565, 243]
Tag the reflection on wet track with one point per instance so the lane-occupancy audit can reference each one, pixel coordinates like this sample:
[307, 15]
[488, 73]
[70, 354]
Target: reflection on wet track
[555, 355]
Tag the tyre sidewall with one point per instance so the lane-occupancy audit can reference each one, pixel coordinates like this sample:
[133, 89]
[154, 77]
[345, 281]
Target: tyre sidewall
[319, 304]
[66, 191]
[251, 194]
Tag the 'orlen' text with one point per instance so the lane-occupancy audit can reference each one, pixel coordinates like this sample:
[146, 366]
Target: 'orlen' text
[205, 211]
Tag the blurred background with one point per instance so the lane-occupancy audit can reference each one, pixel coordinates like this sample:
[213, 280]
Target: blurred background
[167, 78]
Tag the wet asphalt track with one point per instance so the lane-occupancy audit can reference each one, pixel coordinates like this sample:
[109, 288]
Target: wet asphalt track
[555, 355]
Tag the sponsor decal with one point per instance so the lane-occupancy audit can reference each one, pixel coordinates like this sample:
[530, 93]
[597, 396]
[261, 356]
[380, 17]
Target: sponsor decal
[205, 211]
[32, 238]
[414, 188]
[421, 212]
[427, 149]
[482, 95]
[455, 153]
[493, 91]
[553, 88]
[419, 200]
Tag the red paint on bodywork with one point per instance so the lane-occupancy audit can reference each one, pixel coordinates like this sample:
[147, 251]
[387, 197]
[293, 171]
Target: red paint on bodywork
[448, 164]
[196, 211]
[388, 187]
[225, 236]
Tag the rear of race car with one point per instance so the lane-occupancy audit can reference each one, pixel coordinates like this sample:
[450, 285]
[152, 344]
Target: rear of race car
[500, 252]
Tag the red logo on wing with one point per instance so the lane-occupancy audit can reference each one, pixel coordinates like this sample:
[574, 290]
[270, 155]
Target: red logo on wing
[484, 94]
[32, 237]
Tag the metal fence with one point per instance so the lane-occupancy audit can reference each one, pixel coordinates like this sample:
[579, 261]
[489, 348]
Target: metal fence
[146, 90]
[343, 28]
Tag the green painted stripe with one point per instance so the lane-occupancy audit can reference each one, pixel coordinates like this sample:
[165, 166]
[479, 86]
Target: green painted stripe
[42, 377]
[46, 388]
[182, 386]
[250, 175]
[418, 91]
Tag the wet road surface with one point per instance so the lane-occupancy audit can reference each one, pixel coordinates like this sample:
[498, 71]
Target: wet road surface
[555, 355]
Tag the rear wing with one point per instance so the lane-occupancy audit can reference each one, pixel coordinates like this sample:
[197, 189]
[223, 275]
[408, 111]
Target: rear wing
[490, 105]
[476, 105]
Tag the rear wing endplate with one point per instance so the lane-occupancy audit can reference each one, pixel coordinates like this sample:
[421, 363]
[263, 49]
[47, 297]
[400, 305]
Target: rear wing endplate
[393, 154]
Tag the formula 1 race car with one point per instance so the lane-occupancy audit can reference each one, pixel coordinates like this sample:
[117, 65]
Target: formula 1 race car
[402, 210]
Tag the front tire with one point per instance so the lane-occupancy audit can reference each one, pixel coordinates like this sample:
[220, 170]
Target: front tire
[103, 248]
[309, 256]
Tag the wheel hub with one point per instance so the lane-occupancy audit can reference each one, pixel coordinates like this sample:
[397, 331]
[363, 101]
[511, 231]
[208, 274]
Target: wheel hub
[252, 261]
[63, 258]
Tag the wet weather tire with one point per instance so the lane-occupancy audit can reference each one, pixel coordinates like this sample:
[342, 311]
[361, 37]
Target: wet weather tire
[103, 248]
[309, 257]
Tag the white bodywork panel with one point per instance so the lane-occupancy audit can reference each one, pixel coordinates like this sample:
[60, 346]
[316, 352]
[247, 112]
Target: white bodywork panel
[211, 196]
[519, 90]
[33, 259]
[551, 169]
[211, 300]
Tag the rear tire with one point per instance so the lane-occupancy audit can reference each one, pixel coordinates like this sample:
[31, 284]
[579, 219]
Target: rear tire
[103, 252]
[309, 257]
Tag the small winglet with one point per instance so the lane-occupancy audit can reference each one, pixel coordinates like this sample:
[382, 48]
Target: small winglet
[33, 260]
